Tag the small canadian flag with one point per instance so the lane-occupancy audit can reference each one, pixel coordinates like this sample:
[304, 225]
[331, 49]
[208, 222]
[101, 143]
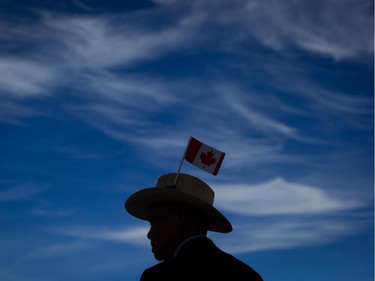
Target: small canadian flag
[204, 156]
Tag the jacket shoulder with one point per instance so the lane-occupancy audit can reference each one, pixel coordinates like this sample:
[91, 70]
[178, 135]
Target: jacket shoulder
[159, 271]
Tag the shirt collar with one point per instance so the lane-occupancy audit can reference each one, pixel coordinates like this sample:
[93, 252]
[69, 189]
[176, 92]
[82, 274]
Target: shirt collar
[185, 241]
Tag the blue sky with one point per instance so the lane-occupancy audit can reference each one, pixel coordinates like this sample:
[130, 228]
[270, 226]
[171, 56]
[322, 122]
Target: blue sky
[99, 98]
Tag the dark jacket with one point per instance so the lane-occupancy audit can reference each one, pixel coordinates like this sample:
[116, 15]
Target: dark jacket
[200, 259]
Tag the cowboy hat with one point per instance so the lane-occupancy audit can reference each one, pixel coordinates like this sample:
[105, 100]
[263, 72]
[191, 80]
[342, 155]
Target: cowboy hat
[188, 190]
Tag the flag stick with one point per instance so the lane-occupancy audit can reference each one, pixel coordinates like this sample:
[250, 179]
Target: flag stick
[182, 161]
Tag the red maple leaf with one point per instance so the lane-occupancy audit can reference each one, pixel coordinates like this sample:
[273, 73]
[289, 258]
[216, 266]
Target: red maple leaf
[207, 158]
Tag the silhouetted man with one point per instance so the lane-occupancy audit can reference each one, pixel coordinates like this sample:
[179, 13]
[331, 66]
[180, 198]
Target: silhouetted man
[180, 215]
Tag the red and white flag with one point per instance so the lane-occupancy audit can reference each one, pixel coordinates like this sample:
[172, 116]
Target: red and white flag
[204, 156]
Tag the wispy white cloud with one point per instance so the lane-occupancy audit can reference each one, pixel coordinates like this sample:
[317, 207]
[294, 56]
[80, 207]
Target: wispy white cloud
[318, 27]
[136, 94]
[249, 235]
[22, 78]
[131, 235]
[80, 4]
[78, 153]
[166, 2]
[12, 111]
[242, 105]
[279, 197]
[74, 45]
[292, 232]
[323, 99]
[354, 109]
[20, 192]
[102, 42]
[82, 51]
[44, 212]
[58, 249]
[269, 216]
[243, 125]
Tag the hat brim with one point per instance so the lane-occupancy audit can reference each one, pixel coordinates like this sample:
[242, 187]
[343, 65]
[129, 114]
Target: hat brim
[139, 203]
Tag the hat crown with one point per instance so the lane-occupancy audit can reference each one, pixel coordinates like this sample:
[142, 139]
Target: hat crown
[189, 185]
[188, 190]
